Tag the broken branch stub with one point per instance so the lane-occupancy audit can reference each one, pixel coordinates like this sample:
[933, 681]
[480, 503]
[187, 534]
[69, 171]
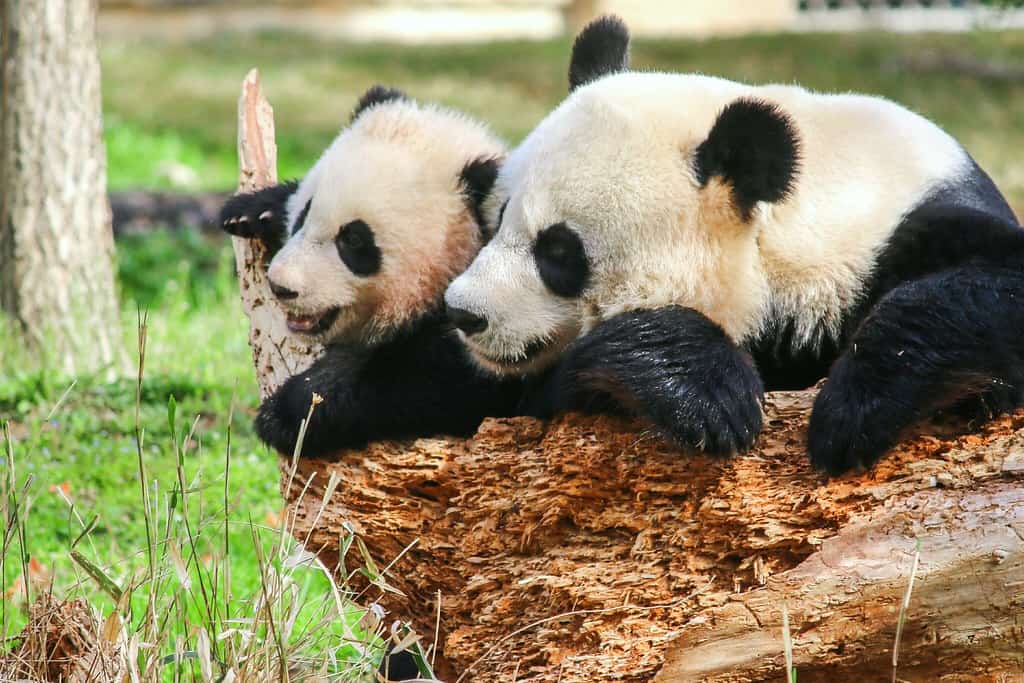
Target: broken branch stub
[276, 353]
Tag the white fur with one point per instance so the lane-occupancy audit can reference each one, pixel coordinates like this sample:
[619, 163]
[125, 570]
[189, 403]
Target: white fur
[396, 168]
[616, 162]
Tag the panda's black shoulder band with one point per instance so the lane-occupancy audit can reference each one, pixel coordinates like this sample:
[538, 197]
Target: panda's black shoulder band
[754, 146]
[601, 48]
[377, 94]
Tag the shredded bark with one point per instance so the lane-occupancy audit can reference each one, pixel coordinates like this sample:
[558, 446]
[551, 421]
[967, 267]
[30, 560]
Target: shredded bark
[597, 519]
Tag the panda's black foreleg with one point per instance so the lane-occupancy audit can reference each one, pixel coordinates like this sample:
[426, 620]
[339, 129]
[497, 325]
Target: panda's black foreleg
[259, 215]
[421, 383]
[335, 421]
[672, 366]
[926, 345]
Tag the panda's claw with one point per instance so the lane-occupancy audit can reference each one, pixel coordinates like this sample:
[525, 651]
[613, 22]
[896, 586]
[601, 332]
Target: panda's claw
[258, 215]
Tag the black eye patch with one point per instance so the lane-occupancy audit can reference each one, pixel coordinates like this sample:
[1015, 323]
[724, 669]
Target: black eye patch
[301, 220]
[357, 248]
[561, 260]
[501, 215]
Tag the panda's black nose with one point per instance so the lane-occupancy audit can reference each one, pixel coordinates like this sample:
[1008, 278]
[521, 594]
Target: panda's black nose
[469, 323]
[282, 293]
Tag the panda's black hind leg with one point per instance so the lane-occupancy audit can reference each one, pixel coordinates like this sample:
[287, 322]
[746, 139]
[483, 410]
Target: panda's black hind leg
[954, 338]
[259, 215]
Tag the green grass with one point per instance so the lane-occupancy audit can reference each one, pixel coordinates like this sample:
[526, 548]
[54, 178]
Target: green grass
[71, 472]
[196, 353]
[187, 113]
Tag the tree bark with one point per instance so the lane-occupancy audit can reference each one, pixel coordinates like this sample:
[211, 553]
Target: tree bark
[586, 549]
[56, 244]
[276, 353]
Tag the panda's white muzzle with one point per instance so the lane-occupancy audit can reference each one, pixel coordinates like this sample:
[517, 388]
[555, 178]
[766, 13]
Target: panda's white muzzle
[508, 319]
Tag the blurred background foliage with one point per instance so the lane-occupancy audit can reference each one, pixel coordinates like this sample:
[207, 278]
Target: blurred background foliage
[170, 105]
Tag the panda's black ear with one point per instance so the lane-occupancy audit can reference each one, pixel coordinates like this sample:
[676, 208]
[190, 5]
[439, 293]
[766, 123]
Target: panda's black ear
[377, 94]
[601, 48]
[476, 180]
[753, 146]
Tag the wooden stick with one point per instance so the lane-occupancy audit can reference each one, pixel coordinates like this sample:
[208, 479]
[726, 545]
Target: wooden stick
[276, 353]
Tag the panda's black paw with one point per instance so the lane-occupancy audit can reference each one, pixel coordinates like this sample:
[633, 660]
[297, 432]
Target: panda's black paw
[978, 408]
[280, 416]
[855, 420]
[258, 214]
[721, 417]
[674, 367]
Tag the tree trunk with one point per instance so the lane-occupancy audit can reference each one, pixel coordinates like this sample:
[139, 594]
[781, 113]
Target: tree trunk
[56, 244]
[586, 549]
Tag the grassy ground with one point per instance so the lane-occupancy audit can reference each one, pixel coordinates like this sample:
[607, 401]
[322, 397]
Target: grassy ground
[170, 121]
[209, 522]
[196, 353]
[179, 101]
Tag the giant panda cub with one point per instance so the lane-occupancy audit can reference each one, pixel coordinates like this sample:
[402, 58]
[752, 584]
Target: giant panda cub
[364, 247]
[674, 243]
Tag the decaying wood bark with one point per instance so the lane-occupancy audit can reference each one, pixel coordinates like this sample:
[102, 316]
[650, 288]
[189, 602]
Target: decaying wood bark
[56, 244]
[586, 550]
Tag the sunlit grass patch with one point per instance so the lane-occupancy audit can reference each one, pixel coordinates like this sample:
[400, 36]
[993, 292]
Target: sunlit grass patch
[199, 585]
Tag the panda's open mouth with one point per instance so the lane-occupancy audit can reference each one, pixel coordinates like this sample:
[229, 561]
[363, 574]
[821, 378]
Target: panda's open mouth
[315, 323]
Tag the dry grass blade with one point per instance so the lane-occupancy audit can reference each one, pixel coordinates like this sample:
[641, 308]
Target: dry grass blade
[904, 606]
[787, 644]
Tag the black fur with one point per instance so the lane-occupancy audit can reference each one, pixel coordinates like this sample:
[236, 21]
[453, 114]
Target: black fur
[300, 220]
[358, 249]
[752, 145]
[377, 94]
[259, 215]
[945, 230]
[470, 323]
[601, 48]
[785, 363]
[420, 382]
[926, 345]
[938, 326]
[975, 191]
[476, 181]
[398, 667]
[501, 214]
[563, 264]
[671, 366]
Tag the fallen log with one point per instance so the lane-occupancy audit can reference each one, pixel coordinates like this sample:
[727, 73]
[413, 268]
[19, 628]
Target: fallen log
[586, 549]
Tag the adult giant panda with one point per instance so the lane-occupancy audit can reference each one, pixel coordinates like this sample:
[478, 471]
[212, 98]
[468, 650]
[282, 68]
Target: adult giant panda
[676, 242]
[364, 247]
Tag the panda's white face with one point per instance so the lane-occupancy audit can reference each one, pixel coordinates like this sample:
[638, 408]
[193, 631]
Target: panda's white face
[603, 212]
[380, 225]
